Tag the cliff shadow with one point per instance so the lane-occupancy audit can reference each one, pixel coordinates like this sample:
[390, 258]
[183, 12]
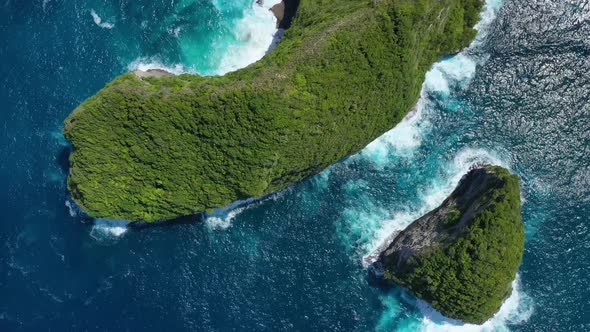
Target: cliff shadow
[186, 220]
[63, 159]
[285, 13]
[289, 11]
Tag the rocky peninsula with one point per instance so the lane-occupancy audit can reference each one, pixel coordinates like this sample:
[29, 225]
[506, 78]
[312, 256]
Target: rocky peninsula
[156, 147]
[463, 256]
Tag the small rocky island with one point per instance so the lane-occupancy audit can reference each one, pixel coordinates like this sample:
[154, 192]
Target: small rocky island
[463, 256]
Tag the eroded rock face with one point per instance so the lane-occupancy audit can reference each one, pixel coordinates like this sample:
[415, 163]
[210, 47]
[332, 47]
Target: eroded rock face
[152, 73]
[284, 11]
[463, 256]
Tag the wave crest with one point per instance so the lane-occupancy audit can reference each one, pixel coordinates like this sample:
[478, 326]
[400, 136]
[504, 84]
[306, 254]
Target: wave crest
[98, 21]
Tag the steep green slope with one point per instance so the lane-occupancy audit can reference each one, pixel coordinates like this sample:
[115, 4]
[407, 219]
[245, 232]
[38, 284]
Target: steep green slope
[463, 256]
[346, 71]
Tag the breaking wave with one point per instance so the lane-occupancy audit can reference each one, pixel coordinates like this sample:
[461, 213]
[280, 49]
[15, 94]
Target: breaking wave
[98, 21]
[108, 230]
[221, 218]
[252, 35]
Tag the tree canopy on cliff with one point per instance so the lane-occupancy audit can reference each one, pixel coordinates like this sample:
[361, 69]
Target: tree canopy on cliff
[156, 148]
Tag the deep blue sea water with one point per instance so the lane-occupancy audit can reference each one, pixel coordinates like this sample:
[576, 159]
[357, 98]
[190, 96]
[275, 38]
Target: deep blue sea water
[519, 97]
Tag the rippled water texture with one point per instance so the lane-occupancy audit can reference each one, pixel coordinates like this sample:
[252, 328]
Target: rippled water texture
[519, 97]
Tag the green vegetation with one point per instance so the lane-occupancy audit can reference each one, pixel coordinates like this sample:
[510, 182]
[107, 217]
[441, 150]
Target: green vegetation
[453, 216]
[345, 72]
[469, 277]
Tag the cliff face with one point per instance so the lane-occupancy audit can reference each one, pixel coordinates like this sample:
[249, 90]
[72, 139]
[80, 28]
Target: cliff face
[155, 148]
[463, 256]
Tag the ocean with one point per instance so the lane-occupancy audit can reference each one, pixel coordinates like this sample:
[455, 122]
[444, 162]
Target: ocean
[519, 96]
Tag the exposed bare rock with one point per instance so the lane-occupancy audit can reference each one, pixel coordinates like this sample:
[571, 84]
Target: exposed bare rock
[152, 73]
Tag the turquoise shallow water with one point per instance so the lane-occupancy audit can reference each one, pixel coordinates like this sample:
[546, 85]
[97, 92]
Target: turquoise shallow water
[517, 97]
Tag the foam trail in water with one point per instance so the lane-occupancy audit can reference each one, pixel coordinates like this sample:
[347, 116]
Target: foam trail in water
[457, 71]
[98, 21]
[221, 218]
[73, 208]
[105, 229]
[361, 218]
[59, 137]
[492, 7]
[223, 221]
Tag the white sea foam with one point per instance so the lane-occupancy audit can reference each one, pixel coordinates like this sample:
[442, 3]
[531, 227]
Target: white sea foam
[73, 208]
[362, 219]
[454, 171]
[402, 140]
[322, 180]
[456, 70]
[254, 35]
[58, 137]
[221, 218]
[98, 21]
[460, 69]
[105, 229]
[102, 229]
[488, 15]
[175, 32]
